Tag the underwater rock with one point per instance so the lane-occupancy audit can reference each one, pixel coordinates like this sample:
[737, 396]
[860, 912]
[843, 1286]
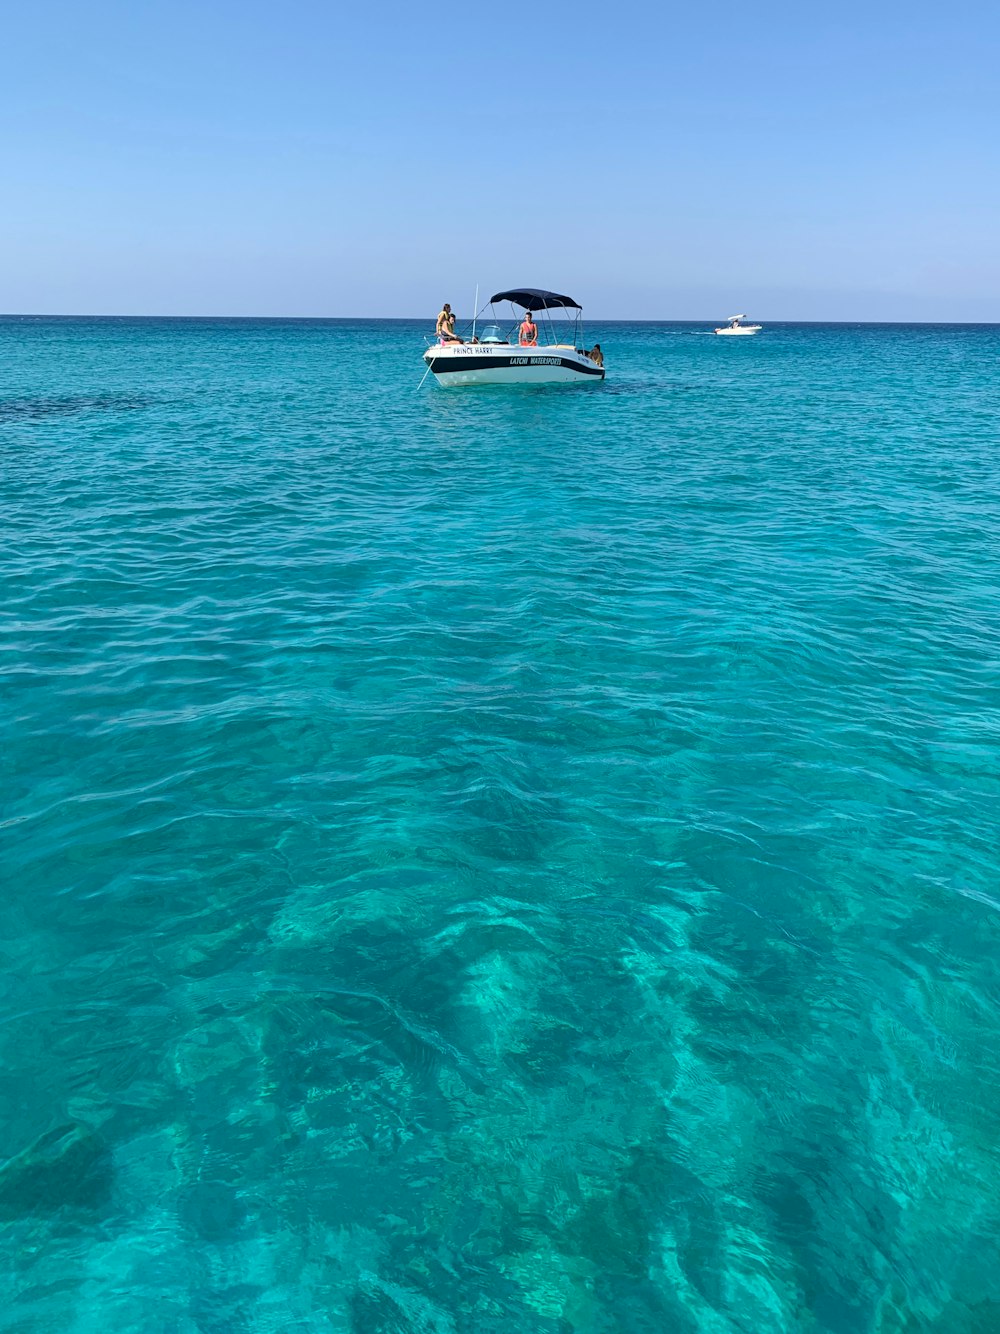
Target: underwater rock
[69, 1165]
[68, 405]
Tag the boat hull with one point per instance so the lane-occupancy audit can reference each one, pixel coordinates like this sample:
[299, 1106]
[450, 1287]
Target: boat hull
[744, 329]
[481, 363]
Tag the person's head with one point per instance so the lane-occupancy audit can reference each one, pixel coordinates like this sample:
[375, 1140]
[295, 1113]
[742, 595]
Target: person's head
[447, 308]
[597, 347]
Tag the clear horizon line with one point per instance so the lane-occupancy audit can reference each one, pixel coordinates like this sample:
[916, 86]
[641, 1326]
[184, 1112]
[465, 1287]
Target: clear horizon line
[416, 319]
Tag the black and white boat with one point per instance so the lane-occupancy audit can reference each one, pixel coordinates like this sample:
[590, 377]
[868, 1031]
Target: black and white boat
[503, 353]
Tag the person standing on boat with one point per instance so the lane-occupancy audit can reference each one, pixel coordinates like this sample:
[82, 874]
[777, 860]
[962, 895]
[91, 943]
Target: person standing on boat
[529, 331]
[446, 325]
[595, 354]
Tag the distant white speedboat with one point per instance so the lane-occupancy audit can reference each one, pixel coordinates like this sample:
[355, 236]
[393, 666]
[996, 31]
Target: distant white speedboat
[733, 326]
[501, 355]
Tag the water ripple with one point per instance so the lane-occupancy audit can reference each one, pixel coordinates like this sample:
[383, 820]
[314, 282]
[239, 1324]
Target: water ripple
[501, 861]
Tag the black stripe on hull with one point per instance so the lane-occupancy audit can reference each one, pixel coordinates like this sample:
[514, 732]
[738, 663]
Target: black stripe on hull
[462, 365]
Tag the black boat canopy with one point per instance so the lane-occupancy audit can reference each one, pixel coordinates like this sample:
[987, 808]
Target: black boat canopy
[535, 298]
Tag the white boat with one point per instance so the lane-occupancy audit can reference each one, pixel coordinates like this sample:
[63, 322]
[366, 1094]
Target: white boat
[733, 326]
[499, 355]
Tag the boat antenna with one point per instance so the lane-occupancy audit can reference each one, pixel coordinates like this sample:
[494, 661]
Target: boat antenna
[475, 311]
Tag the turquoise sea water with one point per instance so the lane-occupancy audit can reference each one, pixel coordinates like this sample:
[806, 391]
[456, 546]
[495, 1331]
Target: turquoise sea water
[498, 861]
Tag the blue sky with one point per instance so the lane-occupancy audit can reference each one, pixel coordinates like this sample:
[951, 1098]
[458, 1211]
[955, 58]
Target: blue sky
[795, 161]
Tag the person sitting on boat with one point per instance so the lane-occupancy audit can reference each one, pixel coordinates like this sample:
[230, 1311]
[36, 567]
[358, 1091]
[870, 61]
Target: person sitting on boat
[529, 331]
[446, 325]
[595, 354]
